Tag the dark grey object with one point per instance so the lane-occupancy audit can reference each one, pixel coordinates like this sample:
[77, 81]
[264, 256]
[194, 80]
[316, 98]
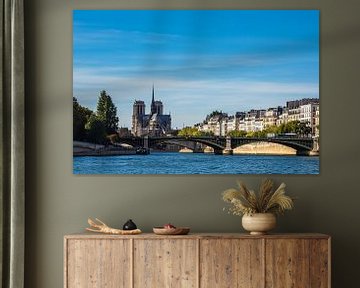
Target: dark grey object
[129, 225]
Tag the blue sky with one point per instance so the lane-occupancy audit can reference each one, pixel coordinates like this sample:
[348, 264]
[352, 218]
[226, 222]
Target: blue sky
[199, 61]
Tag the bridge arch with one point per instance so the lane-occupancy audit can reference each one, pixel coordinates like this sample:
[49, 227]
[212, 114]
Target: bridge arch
[181, 143]
[207, 142]
[264, 148]
[298, 145]
[214, 145]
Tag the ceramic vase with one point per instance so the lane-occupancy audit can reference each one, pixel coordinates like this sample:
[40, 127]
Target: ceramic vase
[259, 223]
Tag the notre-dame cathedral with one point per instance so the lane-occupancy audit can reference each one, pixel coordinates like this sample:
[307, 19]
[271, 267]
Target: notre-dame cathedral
[154, 124]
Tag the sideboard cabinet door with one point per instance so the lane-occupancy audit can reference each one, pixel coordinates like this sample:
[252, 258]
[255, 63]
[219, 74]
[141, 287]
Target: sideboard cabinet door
[231, 263]
[98, 263]
[297, 263]
[320, 263]
[165, 263]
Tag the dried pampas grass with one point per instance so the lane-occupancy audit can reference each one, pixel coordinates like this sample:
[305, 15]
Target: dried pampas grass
[267, 200]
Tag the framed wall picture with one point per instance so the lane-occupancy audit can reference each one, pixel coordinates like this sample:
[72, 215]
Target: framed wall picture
[196, 92]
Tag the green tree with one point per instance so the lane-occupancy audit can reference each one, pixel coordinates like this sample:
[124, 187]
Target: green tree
[271, 129]
[96, 130]
[289, 127]
[256, 134]
[81, 116]
[189, 131]
[300, 128]
[209, 133]
[193, 132]
[106, 112]
[237, 133]
[303, 128]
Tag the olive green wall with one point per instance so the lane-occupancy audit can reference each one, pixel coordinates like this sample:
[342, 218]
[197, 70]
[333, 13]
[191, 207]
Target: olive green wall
[59, 202]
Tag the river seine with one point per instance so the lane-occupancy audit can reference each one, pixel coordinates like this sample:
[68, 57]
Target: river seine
[196, 163]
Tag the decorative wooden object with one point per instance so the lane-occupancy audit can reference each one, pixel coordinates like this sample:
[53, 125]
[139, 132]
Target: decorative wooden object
[100, 227]
[197, 260]
[171, 231]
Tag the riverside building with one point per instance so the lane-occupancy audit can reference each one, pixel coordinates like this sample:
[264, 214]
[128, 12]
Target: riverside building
[305, 110]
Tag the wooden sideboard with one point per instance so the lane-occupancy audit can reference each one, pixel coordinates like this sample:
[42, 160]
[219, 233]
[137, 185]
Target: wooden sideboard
[197, 260]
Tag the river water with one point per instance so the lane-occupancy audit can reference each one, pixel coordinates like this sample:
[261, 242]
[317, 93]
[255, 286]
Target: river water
[196, 163]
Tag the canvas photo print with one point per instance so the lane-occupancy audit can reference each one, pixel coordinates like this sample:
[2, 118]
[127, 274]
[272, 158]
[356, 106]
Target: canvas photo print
[196, 92]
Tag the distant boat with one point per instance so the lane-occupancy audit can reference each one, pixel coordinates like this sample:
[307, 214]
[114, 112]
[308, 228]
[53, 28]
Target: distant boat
[142, 151]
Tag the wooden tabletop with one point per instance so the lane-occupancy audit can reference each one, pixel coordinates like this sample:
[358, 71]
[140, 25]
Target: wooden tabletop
[89, 235]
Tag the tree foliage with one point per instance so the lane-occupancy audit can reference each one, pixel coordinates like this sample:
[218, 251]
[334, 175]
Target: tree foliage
[237, 133]
[96, 130]
[256, 134]
[193, 132]
[106, 112]
[300, 128]
[94, 127]
[81, 116]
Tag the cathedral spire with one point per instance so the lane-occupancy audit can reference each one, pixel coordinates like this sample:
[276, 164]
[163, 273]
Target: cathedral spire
[153, 107]
[153, 95]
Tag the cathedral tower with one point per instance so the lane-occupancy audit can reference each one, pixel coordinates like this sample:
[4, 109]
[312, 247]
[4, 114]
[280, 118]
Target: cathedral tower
[137, 117]
[156, 106]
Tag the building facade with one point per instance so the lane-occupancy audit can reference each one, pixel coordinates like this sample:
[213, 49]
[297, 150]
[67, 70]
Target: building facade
[309, 114]
[305, 110]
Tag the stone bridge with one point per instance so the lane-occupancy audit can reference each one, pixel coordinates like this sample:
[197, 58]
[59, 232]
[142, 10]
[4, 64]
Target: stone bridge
[225, 145]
